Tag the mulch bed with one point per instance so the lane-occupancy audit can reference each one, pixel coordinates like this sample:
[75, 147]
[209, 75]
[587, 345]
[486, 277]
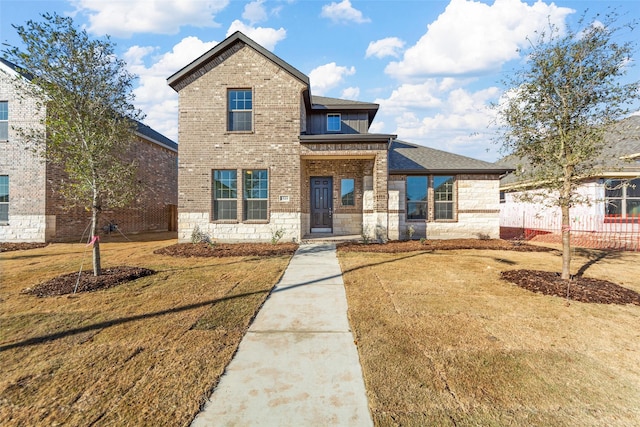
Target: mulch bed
[8, 247]
[65, 284]
[219, 250]
[583, 289]
[398, 246]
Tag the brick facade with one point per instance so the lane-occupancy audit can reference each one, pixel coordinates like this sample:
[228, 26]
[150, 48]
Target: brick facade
[36, 210]
[288, 140]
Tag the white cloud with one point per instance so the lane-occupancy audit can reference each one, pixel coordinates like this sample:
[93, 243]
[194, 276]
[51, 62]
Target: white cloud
[443, 114]
[328, 76]
[471, 37]
[352, 93]
[125, 18]
[343, 12]
[153, 96]
[254, 12]
[266, 37]
[390, 46]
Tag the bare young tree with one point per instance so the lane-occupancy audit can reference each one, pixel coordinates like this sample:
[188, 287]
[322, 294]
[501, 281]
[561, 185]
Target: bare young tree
[86, 94]
[565, 97]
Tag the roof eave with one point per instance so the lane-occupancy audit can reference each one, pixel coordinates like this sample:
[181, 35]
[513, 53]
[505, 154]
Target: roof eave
[454, 171]
[175, 78]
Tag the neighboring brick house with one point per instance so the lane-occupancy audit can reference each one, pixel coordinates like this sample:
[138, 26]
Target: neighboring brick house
[31, 208]
[611, 192]
[260, 154]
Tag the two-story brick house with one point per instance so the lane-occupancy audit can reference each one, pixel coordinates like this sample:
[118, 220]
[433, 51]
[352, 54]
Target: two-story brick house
[259, 153]
[31, 206]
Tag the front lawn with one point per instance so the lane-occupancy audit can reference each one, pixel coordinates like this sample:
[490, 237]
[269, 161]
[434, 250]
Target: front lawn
[444, 341]
[146, 352]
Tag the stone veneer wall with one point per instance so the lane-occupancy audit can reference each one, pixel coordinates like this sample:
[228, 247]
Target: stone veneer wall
[26, 170]
[273, 144]
[477, 210]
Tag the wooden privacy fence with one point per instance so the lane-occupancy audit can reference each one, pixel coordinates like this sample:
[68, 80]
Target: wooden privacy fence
[588, 231]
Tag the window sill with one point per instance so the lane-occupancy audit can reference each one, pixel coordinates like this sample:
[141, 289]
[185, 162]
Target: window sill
[239, 132]
[225, 221]
[256, 221]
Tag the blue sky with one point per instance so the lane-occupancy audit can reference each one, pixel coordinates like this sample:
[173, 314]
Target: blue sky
[433, 66]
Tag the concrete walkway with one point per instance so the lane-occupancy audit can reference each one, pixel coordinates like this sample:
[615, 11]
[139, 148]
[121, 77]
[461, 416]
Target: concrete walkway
[297, 365]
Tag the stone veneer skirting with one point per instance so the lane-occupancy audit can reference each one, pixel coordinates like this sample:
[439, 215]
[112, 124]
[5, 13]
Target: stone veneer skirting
[27, 228]
[241, 231]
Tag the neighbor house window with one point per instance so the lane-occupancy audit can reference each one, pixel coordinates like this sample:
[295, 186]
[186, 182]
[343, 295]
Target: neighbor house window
[240, 110]
[256, 194]
[622, 198]
[333, 122]
[225, 195]
[347, 195]
[443, 197]
[4, 198]
[4, 121]
[417, 190]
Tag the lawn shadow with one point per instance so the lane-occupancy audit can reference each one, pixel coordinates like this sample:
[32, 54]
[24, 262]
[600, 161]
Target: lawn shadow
[108, 323]
[595, 257]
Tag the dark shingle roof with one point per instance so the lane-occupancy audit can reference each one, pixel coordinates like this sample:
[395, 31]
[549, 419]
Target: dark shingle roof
[621, 154]
[407, 158]
[156, 137]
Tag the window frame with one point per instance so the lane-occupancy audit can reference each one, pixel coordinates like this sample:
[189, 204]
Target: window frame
[232, 112]
[417, 202]
[334, 115]
[4, 199]
[4, 122]
[437, 203]
[249, 195]
[228, 201]
[623, 198]
[431, 204]
[350, 196]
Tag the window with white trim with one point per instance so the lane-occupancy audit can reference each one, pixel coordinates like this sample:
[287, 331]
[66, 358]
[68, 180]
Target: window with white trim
[622, 198]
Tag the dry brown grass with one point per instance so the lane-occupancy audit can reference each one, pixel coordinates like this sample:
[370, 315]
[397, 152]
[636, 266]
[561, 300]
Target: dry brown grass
[444, 341]
[147, 352]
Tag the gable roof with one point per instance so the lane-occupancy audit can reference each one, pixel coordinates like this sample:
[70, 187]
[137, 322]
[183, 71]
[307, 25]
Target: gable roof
[407, 158]
[216, 55]
[142, 130]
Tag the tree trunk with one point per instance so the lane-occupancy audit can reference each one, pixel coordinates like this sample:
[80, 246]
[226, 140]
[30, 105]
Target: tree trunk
[566, 243]
[95, 238]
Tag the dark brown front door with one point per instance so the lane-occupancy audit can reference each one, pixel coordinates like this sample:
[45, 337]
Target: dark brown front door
[321, 204]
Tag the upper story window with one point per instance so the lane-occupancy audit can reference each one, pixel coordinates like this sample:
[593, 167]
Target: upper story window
[622, 198]
[4, 121]
[240, 108]
[4, 198]
[334, 122]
